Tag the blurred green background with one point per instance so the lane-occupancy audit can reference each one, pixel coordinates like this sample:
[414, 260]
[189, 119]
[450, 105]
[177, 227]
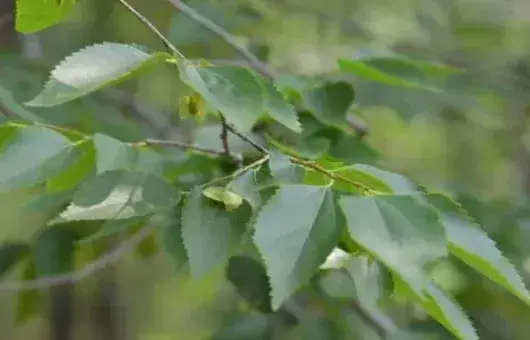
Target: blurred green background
[471, 141]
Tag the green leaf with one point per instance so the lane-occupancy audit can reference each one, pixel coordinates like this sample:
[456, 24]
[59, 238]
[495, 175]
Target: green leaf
[353, 149]
[10, 255]
[292, 85]
[21, 165]
[209, 233]
[221, 194]
[278, 107]
[33, 16]
[283, 170]
[397, 183]
[329, 103]
[30, 302]
[234, 91]
[82, 165]
[444, 310]
[473, 246]
[91, 69]
[53, 251]
[295, 232]
[172, 239]
[246, 186]
[158, 192]
[7, 97]
[112, 154]
[54, 202]
[403, 233]
[250, 279]
[353, 173]
[97, 188]
[397, 71]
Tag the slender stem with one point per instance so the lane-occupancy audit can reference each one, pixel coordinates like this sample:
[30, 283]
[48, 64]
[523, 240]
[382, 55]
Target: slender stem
[221, 33]
[224, 135]
[153, 29]
[170, 143]
[108, 259]
[315, 166]
[246, 139]
[239, 171]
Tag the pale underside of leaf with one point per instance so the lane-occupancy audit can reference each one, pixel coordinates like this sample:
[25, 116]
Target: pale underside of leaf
[90, 69]
[401, 232]
[118, 205]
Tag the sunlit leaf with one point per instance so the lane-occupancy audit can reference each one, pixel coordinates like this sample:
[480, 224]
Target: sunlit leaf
[473, 246]
[230, 199]
[92, 68]
[443, 309]
[33, 16]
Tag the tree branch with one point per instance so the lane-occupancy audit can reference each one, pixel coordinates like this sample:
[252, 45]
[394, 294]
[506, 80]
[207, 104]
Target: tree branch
[224, 136]
[256, 63]
[185, 146]
[221, 33]
[152, 28]
[108, 259]
[246, 139]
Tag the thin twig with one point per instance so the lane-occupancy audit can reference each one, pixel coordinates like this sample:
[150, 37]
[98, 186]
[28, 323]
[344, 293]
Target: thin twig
[152, 27]
[246, 139]
[256, 63]
[315, 166]
[239, 171]
[224, 136]
[106, 260]
[185, 146]
[221, 33]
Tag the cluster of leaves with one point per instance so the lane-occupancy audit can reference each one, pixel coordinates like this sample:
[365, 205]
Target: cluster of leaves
[302, 195]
